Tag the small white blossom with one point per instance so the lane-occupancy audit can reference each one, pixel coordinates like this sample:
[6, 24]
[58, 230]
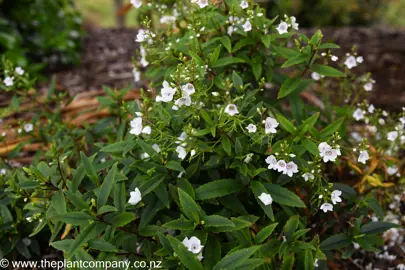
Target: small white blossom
[401, 266]
[181, 152]
[247, 26]
[327, 152]
[136, 3]
[392, 135]
[166, 19]
[231, 29]
[202, 3]
[358, 114]
[368, 87]
[270, 125]
[371, 108]
[136, 126]
[336, 196]
[156, 147]
[316, 263]
[315, 76]
[272, 161]
[248, 158]
[281, 166]
[136, 197]
[363, 157]
[231, 109]
[147, 130]
[9, 81]
[392, 170]
[294, 23]
[334, 58]
[3, 171]
[291, 168]
[183, 101]
[308, 176]
[19, 71]
[167, 93]
[251, 128]
[200, 256]
[360, 59]
[137, 75]
[266, 198]
[282, 28]
[326, 207]
[244, 4]
[193, 244]
[28, 127]
[402, 120]
[350, 62]
[143, 35]
[192, 152]
[188, 88]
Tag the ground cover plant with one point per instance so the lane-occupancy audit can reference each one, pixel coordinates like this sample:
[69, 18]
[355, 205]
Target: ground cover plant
[253, 147]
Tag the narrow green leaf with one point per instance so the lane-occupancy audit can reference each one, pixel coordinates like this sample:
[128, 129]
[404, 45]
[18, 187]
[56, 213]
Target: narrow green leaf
[216, 221]
[180, 224]
[226, 61]
[265, 233]
[236, 258]
[377, 227]
[226, 145]
[107, 186]
[123, 219]
[74, 218]
[84, 235]
[217, 189]
[283, 196]
[328, 46]
[212, 252]
[102, 245]
[288, 262]
[336, 241]
[214, 55]
[237, 80]
[285, 124]
[175, 166]
[226, 41]
[59, 202]
[288, 86]
[327, 71]
[257, 67]
[189, 206]
[290, 227]
[297, 59]
[88, 167]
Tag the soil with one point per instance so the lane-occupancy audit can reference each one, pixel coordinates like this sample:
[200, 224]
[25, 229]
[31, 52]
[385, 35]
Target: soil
[107, 54]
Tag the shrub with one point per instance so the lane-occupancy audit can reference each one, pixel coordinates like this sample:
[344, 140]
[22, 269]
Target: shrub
[232, 159]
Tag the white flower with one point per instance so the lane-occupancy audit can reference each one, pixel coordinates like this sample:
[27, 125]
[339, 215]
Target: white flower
[308, 176]
[147, 130]
[350, 62]
[334, 58]
[251, 128]
[231, 29]
[392, 135]
[294, 23]
[183, 101]
[291, 168]
[181, 152]
[358, 114]
[363, 157]
[19, 71]
[402, 120]
[136, 197]
[371, 108]
[202, 3]
[247, 26]
[371, 129]
[8, 81]
[401, 266]
[326, 207]
[188, 88]
[166, 19]
[136, 126]
[28, 127]
[156, 147]
[136, 3]
[248, 158]
[215, 94]
[360, 59]
[183, 136]
[231, 109]
[192, 152]
[316, 263]
[281, 166]
[137, 75]
[327, 152]
[244, 4]
[392, 170]
[144, 155]
[3, 171]
[335, 196]
[142, 35]
[282, 28]
[270, 125]
[200, 256]
[193, 244]
[272, 161]
[381, 121]
[266, 198]
[166, 93]
[315, 76]
[368, 86]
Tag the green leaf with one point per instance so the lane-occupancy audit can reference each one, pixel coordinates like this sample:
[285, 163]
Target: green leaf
[175, 166]
[88, 167]
[214, 55]
[106, 209]
[119, 196]
[285, 52]
[377, 227]
[102, 245]
[119, 147]
[288, 262]
[39, 227]
[265, 233]
[266, 39]
[290, 227]
[180, 224]
[226, 61]
[288, 87]
[77, 177]
[123, 219]
[236, 258]
[217, 189]
[212, 252]
[336, 241]
[59, 202]
[297, 59]
[283, 196]
[189, 206]
[226, 145]
[226, 41]
[216, 221]
[187, 258]
[74, 218]
[374, 205]
[84, 235]
[63, 244]
[257, 67]
[258, 189]
[150, 185]
[327, 71]
[328, 46]
[149, 150]
[237, 80]
[107, 186]
[285, 124]
[309, 123]
[332, 128]
[250, 264]
[308, 260]
[310, 146]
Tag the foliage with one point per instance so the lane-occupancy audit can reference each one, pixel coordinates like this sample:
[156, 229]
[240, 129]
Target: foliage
[187, 175]
[37, 33]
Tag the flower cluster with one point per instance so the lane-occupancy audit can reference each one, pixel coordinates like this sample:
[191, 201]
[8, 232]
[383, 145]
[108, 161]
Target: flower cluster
[335, 198]
[328, 153]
